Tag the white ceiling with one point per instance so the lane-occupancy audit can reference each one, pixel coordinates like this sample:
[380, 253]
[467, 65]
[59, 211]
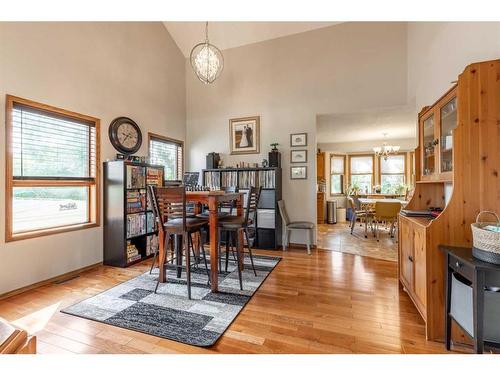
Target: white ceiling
[226, 35]
[397, 122]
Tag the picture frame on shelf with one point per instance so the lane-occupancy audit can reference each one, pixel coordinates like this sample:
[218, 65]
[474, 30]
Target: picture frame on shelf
[298, 140]
[244, 135]
[298, 172]
[298, 156]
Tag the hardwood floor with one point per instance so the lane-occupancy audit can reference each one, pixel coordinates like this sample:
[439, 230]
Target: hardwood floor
[328, 302]
[338, 237]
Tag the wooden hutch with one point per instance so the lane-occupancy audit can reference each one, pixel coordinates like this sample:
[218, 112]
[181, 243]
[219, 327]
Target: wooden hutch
[456, 166]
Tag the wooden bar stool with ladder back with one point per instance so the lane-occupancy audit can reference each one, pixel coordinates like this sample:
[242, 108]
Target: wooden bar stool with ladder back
[225, 209]
[169, 207]
[237, 226]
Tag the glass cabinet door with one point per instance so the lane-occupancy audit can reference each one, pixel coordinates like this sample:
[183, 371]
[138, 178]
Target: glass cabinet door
[448, 117]
[428, 142]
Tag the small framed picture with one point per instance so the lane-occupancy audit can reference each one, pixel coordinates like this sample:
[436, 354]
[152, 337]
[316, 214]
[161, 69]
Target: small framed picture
[298, 140]
[298, 156]
[298, 173]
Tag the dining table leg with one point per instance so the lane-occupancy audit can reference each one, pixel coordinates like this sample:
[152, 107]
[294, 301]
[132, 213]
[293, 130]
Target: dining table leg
[214, 240]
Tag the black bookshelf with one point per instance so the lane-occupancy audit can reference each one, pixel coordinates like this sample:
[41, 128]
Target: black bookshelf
[269, 226]
[126, 203]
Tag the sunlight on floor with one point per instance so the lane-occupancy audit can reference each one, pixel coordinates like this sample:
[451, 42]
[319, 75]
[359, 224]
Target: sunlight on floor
[37, 320]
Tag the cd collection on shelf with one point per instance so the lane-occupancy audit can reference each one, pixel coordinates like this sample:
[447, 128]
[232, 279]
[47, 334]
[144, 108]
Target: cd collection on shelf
[154, 176]
[267, 179]
[247, 179]
[212, 179]
[229, 178]
[243, 179]
[136, 224]
[135, 177]
[151, 244]
[136, 200]
[132, 252]
[150, 222]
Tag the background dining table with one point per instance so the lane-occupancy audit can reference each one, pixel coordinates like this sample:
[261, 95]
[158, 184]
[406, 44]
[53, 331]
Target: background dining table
[368, 204]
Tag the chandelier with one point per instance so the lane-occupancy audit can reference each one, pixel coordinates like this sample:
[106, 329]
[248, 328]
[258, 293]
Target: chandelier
[207, 60]
[386, 149]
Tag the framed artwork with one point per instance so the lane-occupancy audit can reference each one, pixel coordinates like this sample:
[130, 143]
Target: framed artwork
[298, 140]
[298, 173]
[298, 156]
[244, 135]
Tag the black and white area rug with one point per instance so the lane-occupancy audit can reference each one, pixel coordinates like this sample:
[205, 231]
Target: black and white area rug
[169, 313]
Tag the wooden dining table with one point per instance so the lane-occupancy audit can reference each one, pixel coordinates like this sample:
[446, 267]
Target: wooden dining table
[367, 204]
[212, 199]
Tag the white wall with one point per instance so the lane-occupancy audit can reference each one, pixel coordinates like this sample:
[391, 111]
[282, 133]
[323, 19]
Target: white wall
[288, 81]
[439, 51]
[104, 70]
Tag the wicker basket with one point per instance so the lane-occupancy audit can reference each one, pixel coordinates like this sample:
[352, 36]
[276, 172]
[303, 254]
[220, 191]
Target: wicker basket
[486, 242]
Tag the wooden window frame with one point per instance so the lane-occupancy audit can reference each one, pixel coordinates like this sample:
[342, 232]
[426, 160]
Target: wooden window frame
[152, 136]
[344, 174]
[405, 177]
[350, 156]
[10, 182]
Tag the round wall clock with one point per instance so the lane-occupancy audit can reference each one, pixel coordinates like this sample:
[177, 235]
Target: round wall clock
[125, 135]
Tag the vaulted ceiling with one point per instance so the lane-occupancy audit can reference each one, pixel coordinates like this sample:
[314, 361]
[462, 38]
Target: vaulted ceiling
[234, 34]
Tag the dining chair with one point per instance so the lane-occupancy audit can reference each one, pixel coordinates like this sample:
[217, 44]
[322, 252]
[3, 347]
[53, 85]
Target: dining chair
[386, 212]
[169, 208]
[302, 226]
[357, 212]
[234, 226]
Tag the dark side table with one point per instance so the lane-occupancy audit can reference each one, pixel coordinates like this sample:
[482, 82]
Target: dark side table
[479, 274]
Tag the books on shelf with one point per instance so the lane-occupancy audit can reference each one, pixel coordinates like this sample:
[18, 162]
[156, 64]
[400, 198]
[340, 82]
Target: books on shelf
[135, 177]
[136, 200]
[132, 252]
[150, 222]
[154, 176]
[136, 224]
[151, 244]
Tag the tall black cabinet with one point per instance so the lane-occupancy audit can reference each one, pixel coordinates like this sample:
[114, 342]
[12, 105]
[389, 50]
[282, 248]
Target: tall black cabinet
[130, 233]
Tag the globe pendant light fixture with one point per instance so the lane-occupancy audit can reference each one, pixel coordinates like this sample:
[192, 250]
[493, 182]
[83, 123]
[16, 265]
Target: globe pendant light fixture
[207, 60]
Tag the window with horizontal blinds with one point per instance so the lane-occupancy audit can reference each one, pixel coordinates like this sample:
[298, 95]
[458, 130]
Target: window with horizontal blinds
[52, 170]
[46, 145]
[169, 154]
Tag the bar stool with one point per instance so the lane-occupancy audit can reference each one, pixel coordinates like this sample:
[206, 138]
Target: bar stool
[234, 225]
[169, 207]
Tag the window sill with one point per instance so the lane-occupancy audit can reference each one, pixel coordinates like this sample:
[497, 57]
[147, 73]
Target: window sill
[47, 232]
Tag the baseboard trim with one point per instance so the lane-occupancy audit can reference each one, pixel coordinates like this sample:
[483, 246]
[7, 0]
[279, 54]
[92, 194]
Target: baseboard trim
[48, 281]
